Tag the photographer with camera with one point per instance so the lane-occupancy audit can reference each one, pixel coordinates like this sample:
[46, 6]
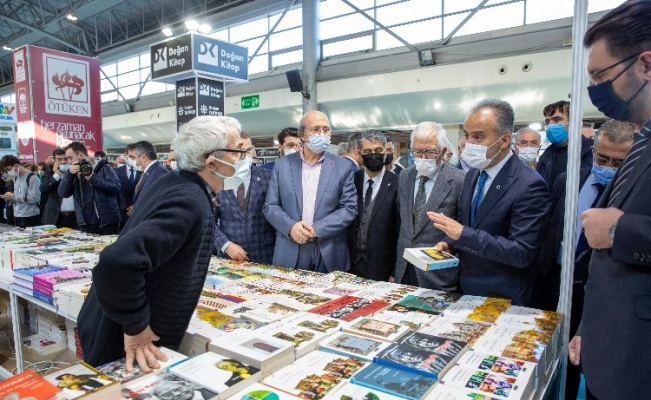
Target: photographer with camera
[95, 188]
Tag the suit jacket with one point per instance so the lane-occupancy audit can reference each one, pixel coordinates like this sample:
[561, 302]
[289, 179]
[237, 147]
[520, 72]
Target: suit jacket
[249, 229]
[444, 199]
[153, 273]
[382, 230]
[335, 209]
[617, 311]
[126, 194]
[544, 166]
[154, 172]
[49, 187]
[498, 250]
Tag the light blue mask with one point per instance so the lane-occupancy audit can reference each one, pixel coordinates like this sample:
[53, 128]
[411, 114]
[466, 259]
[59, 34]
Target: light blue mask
[64, 167]
[556, 134]
[603, 174]
[318, 143]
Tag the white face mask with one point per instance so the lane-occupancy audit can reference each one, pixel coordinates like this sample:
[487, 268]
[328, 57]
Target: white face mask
[242, 171]
[174, 165]
[13, 173]
[528, 154]
[426, 166]
[289, 152]
[120, 165]
[131, 163]
[475, 154]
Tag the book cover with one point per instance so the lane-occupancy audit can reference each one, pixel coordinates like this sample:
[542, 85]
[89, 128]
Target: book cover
[313, 376]
[501, 365]
[457, 329]
[475, 308]
[442, 392]
[487, 383]
[117, 370]
[28, 274]
[347, 308]
[80, 380]
[397, 382]
[27, 385]
[217, 373]
[354, 346]
[428, 258]
[165, 386]
[351, 391]
[427, 305]
[377, 329]
[258, 391]
[54, 279]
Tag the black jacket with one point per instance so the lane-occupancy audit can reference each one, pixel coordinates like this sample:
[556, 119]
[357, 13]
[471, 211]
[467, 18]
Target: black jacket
[544, 165]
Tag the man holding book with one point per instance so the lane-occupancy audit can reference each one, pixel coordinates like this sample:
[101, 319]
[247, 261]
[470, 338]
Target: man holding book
[146, 284]
[613, 344]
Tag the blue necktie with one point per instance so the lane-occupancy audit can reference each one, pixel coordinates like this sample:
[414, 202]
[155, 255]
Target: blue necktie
[132, 177]
[478, 196]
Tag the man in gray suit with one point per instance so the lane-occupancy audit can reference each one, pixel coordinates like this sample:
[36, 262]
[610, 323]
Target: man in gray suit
[311, 201]
[430, 185]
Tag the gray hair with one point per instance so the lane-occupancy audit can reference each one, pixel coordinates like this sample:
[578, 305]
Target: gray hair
[371, 136]
[520, 131]
[301, 123]
[504, 115]
[200, 137]
[427, 129]
[616, 131]
[342, 149]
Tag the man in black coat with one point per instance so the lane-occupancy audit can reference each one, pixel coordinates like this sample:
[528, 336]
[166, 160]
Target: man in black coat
[146, 285]
[373, 235]
[129, 177]
[57, 211]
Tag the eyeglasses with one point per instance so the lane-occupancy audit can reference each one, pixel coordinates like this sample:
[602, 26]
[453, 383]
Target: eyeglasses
[602, 160]
[593, 77]
[429, 153]
[242, 153]
[317, 129]
[528, 143]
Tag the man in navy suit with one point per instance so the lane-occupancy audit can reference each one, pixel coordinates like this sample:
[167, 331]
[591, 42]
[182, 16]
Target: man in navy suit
[373, 235]
[504, 207]
[242, 232]
[311, 202]
[613, 343]
[129, 175]
[143, 156]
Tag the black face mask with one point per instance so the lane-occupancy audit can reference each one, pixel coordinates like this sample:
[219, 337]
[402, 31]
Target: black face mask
[373, 162]
[389, 159]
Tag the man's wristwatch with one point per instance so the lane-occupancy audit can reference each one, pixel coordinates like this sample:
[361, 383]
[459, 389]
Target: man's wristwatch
[611, 231]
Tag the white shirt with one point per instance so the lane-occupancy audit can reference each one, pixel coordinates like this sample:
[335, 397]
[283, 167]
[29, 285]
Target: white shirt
[67, 203]
[429, 184]
[377, 181]
[492, 173]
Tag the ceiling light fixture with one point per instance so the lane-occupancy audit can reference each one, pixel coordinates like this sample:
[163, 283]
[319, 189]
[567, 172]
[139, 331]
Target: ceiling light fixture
[191, 25]
[167, 31]
[205, 29]
[5, 47]
[72, 17]
[536, 126]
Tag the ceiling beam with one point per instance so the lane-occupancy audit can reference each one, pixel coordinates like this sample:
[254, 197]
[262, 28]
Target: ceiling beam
[44, 33]
[462, 23]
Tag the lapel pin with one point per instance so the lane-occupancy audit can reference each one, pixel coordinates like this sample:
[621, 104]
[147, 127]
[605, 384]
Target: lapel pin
[497, 187]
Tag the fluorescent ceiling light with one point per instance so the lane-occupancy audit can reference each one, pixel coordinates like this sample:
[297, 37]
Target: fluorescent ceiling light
[5, 47]
[205, 28]
[167, 32]
[536, 126]
[191, 25]
[72, 17]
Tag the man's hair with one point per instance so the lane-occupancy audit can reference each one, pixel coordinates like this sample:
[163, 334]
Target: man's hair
[287, 132]
[130, 147]
[616, 131]
[427, 129]
[561, 106]
[389, 139]
[58, 152]
[520, 131]
[8, 161]
[201, 137]
[504, 115]
[99, 153]
[146, 148]
[77, 147]
[301, 123]
[372, 136]
[244, 135]
[588, 123]
[342, 149]
[353, 141]
[626, 29]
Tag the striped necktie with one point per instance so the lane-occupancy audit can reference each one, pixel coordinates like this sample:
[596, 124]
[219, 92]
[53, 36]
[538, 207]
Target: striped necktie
[641, 141]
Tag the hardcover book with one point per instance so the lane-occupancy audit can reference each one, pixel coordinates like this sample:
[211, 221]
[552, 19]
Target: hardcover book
[428, 258]
[397, 382]
[220, 374]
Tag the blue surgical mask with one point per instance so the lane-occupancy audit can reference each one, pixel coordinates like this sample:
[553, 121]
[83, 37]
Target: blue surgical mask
[318, 143]
[64, 167]
[603, 174]
[557, 134]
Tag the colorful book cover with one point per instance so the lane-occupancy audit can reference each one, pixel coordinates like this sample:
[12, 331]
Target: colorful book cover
[347, 308]
[258, 391]
[54, 279]
[165, 385]
[81, 379]
[353, 346]
[397, 382]
[27, 385]
[117, 370]
[487, 383]
[29, 273]
[428, 305]
[377, 329]
[351, 391]
[418, 361]
[457, 329]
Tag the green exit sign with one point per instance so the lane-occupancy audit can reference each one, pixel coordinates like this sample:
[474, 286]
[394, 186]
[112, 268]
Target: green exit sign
[252, 101]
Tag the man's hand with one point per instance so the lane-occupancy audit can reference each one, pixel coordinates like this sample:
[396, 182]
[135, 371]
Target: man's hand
[448, 225]
[129, 210]
[575, 350]
[596, 223]
[236, 252]
[7, 196]
[142, 349]
[301, 232]
[74, 168]
[442, 246]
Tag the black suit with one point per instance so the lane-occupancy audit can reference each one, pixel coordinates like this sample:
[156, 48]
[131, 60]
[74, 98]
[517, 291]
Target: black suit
[616, 326]
[382, 238]
[126, 194]
[153, 173]
[49, 187]
[497, 251]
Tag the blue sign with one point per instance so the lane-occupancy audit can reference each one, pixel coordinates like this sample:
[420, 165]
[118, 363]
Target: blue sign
[219, 59]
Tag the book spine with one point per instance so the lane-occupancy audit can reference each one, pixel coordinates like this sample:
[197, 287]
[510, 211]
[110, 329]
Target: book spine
[44, 298]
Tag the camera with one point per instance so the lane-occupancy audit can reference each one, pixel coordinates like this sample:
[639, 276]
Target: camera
[85, 167]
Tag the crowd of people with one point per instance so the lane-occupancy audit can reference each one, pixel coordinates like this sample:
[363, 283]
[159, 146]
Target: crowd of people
[495, 205]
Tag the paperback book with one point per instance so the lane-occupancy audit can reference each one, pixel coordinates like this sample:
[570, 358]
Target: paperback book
[117, 370]
[397, 382]
[165, 386]
[350, 345]
[428, 258]
[347, 308]
[27, 385]
[489, 383]
[81, 381]
[457, 329]
[377, 329]
[351, 391]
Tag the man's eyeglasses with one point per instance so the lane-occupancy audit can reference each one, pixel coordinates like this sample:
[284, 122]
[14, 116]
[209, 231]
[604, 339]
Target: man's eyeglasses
[429, 153]
[317, 129]
[602, 160]
[595, 76]
[242, 153]
[528, 142]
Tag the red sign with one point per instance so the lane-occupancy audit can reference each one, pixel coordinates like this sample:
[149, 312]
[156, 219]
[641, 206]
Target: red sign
[62, 101]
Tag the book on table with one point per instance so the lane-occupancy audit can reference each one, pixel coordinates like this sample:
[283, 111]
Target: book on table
[27, 385]
[429, 258]
[397, 382]
[81, 381]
